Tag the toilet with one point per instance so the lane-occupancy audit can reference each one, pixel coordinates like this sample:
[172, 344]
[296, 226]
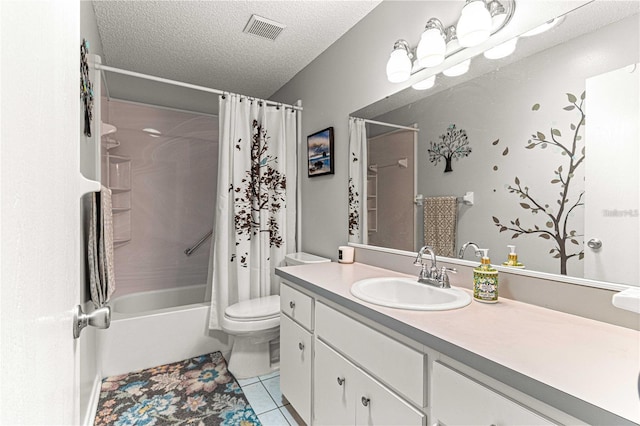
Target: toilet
[255, 326]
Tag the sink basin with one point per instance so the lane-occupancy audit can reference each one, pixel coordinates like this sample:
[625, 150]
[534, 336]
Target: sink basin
[408, 293]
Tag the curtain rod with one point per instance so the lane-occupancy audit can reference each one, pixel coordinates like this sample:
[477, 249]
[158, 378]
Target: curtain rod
[397, 126]
[181, 84]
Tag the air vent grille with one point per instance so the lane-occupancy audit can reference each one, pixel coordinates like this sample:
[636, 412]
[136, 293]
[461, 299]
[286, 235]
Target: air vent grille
[263, 27]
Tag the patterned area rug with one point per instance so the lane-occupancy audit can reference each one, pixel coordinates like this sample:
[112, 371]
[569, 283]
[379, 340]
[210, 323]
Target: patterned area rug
[196, 391]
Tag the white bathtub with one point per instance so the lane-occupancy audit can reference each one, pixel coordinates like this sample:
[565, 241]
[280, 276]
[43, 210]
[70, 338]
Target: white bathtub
[157, 327]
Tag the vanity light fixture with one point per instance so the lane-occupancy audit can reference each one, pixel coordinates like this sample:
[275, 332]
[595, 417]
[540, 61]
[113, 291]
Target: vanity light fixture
[432, 46]
[502, 50]
[498, 14]
[425, 84]
[478, 20]
[399, 63]
[474, 25]
[457, 69]
[544, 27]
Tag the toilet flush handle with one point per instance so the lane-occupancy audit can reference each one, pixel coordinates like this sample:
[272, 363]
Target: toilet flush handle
[292, 304]
[301, 346]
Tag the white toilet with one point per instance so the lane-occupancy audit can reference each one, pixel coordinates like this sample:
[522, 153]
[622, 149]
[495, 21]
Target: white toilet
[255, 324]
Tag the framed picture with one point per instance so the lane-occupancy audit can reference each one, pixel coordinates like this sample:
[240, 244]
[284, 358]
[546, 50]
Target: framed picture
[320, 152]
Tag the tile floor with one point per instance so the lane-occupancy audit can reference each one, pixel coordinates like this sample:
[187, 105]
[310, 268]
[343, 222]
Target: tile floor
[264, 395]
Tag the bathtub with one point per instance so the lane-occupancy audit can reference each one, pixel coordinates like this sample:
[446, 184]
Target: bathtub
[157, 327]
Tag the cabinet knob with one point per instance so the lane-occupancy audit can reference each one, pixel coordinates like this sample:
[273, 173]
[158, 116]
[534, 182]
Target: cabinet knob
[340, 381]
[365, 401]
[301, 346]
[292, 304]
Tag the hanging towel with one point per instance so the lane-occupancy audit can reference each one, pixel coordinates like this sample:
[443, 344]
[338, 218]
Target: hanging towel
[440, 219]
[100, 248]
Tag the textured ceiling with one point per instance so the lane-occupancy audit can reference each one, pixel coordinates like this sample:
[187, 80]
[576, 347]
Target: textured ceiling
[201, 42]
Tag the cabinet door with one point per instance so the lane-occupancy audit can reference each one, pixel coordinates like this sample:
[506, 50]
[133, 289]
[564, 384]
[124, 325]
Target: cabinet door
[460, 400]
[295, 366]
[377, 405]
[334, 388]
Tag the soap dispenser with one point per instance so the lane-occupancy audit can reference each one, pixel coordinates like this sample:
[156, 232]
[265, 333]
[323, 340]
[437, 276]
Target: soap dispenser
[485, 280]
[512, 260]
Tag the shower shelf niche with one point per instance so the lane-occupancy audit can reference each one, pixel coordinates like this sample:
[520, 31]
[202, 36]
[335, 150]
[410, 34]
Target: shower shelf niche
[117, 177]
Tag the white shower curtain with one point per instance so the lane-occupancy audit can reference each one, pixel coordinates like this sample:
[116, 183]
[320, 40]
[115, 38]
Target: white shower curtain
[358, 161]
[255, 217]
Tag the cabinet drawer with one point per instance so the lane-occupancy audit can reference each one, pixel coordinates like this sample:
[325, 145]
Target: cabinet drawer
[458, 400]
[397, 365]
[295, 366]
[297, 306]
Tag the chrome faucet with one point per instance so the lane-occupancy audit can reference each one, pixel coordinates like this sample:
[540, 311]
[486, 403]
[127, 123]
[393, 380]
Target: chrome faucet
[432, 275]
[464, 247]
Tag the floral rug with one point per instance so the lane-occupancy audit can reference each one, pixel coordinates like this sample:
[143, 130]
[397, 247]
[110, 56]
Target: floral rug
[196, 391]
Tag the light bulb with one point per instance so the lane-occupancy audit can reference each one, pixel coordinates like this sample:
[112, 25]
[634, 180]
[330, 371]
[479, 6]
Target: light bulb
[474, 25]
[502, 50]
[432, 46]
[398, 65]
[425, 84]
[458, 69]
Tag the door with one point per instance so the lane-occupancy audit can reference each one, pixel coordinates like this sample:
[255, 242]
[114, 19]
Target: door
[295, 366]
[40, 211]
[333, 388]
[611, 177]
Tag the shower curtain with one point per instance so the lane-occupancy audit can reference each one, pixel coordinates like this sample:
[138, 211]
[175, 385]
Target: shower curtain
[357, 181]
[255, 217]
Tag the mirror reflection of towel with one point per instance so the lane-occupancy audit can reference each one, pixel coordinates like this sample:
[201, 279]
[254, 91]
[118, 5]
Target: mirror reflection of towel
[440, 219]
[100, 248]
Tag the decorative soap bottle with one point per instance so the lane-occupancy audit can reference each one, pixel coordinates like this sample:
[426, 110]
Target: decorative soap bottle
[512, 260]
[485, 280]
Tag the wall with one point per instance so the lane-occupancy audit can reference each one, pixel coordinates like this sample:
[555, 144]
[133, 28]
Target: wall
[173, 188]
[498, 106]
[350, 75]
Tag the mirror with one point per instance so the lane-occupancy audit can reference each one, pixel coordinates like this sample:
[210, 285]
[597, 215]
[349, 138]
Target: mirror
[545, 143]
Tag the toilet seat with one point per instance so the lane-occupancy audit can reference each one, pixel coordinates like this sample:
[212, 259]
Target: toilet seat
[254, 309]
[252, 315]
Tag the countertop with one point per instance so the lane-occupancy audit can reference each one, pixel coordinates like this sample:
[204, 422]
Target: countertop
[587, 368]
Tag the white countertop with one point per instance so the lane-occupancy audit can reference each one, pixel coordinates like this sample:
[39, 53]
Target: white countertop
[595, 362]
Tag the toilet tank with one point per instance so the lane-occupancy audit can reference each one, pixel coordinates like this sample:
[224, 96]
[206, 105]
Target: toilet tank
[302, 258]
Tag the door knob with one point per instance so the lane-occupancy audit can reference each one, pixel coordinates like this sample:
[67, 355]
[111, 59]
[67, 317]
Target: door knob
[594, 243]
[100, 318]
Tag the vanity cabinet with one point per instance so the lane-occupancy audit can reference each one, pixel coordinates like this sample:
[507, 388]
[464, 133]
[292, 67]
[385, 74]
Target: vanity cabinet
[296, 349]
[458, 399]
[337, 369]
[346, 395]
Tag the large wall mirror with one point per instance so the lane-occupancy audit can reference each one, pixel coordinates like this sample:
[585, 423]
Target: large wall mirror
[544, 144]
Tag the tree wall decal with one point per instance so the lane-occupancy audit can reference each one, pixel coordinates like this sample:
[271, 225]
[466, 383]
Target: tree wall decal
[453, 144]
[556, 226]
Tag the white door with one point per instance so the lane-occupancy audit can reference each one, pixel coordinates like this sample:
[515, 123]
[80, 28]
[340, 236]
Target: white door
[40, 211]
[612, 180]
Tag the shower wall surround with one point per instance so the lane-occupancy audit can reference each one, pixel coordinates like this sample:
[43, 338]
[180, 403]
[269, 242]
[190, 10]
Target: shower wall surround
[173, 189]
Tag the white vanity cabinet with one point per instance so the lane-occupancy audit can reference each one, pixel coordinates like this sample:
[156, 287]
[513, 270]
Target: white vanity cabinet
[296, 349]
[339, 369]
[461, 400]
[345, 395]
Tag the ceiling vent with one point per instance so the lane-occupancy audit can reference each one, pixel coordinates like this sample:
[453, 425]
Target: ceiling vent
[263, 27]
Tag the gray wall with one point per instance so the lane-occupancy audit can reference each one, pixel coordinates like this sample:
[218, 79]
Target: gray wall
[345, 78]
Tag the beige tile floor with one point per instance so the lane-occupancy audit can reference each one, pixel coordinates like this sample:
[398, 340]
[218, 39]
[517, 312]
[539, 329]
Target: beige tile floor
[264, 395]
